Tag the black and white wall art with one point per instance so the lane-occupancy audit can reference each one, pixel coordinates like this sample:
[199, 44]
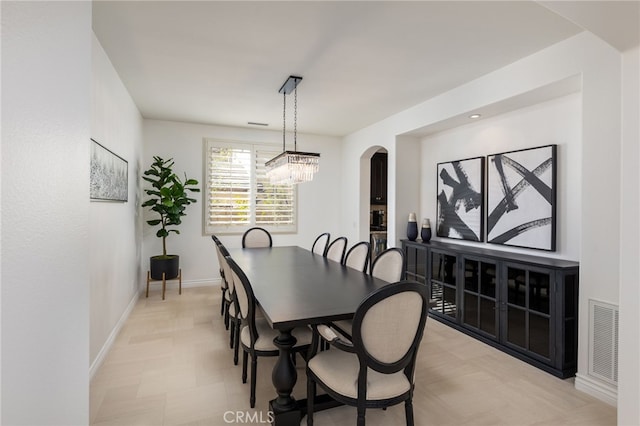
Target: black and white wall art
[460, 199]
[521, 199]
[109, 175]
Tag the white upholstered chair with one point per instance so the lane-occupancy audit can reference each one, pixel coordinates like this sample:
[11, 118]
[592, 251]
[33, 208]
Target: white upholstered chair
[321, 243]
[358, 256]
[388, 266]
[336, 249]
[376, 368]
[232, 318]
[256, 237]
[224, 287]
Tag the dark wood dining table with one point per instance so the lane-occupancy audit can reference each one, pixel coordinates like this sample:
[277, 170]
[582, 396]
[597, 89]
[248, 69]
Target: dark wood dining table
[296, 288]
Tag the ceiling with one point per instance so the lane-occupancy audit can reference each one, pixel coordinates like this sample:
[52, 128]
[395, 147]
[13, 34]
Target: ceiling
[222, 63]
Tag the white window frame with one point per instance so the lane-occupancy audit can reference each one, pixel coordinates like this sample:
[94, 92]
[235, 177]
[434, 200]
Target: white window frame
[208, 228]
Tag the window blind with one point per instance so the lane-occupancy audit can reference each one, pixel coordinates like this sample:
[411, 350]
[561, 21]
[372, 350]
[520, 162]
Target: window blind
[239, 195]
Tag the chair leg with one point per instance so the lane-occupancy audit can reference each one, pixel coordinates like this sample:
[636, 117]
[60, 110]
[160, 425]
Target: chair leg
[245, 361]
[361, 411]
[148, 279]
[222, 303]
[226, 316]
[311, 396]
[179, 281]
[408, 411]
[232, 331]
[236, 344]
[254, 368]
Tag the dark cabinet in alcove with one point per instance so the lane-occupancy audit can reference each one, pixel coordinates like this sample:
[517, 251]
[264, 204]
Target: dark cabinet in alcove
[379, 178]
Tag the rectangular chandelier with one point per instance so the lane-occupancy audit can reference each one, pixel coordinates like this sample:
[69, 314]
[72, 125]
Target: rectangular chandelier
[292, 167]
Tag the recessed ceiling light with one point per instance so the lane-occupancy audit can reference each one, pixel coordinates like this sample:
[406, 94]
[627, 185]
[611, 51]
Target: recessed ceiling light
[475, 116]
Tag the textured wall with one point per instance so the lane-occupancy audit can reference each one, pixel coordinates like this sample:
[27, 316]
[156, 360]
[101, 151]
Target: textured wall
[46, 77]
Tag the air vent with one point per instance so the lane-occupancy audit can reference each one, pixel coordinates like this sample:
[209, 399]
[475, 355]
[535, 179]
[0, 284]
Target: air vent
[603, 341]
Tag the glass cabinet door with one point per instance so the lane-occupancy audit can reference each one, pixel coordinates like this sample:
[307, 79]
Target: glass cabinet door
[479, 298]
[443, 284]
[528, 310]
[416, 264]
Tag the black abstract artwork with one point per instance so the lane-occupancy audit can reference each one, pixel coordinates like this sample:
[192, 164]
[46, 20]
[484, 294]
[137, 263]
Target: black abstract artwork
[521, 202]
[460, 199]
[109, 175]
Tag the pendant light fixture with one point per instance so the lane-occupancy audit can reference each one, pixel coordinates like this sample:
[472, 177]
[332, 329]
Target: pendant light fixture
[292, 167]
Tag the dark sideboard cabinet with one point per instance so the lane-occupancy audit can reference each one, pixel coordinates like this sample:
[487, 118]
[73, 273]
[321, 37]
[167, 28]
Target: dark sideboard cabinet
[522, 304]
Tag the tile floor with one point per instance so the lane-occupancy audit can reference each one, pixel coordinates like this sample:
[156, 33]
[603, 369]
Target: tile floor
[171, 365]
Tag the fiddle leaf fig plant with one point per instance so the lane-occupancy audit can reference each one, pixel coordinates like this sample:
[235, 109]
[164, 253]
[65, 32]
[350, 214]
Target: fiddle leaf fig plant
[169, 197]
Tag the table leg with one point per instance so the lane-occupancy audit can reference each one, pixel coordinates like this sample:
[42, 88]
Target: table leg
[284, 377]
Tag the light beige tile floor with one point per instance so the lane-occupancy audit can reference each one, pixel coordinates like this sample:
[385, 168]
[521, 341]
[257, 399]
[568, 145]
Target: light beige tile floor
[171, 365]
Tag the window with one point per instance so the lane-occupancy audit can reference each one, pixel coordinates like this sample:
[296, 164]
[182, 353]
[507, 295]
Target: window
[238, 193]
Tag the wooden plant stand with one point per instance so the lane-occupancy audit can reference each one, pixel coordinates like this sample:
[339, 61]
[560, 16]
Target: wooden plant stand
[164, 282]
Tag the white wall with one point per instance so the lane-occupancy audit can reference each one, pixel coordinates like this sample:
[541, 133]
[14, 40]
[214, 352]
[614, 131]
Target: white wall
[515, 130]
[407, 169]
[46, 81]
[318, 200]
[629, 333]
[599, 66]
[115, 231]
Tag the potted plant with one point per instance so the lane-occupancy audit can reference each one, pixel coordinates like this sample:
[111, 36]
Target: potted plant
[169, 199]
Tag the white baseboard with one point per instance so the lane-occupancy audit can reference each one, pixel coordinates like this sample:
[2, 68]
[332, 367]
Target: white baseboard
[95, 365]
[603, 391]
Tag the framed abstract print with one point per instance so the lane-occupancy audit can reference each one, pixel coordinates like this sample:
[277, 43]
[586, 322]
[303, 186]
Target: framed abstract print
[460, 199]
[521, 198]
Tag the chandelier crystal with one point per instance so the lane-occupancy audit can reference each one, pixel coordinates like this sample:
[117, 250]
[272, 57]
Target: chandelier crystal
[292, 167]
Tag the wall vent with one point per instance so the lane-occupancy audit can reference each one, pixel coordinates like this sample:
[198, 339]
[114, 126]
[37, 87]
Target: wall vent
[603, 341]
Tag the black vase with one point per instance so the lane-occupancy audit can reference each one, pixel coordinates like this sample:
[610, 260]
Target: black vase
[412, 231]
[425, 234]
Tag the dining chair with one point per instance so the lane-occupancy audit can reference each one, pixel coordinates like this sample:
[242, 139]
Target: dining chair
[232, 319]
[376, 368]
[388, 266]
[224, 287]
[336, 249]
[358, 256]
[227, 300]
[321, 243]
[256, 337]
[256, 237]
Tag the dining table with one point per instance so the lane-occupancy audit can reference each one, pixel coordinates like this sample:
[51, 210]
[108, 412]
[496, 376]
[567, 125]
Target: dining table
[297, 288]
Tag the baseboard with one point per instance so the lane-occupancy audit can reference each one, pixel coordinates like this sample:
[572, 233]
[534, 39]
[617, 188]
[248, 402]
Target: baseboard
[603, 391]
[95, 365]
